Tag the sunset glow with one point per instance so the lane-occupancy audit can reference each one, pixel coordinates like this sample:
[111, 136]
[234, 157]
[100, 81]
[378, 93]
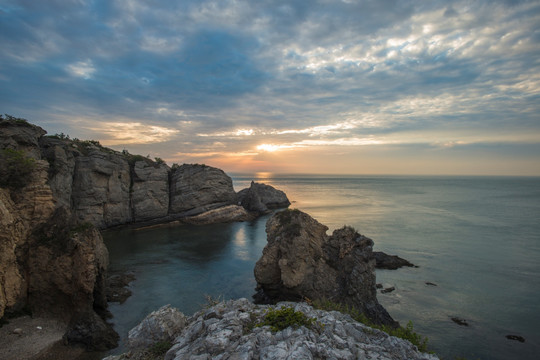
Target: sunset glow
[446, 87]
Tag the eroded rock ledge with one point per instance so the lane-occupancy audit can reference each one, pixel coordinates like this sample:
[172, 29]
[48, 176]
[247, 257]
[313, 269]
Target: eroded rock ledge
[227, 331]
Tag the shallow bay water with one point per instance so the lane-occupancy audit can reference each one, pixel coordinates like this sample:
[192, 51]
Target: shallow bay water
[476, 238]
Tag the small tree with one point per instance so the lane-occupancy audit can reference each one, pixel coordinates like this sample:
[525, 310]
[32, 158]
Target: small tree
[15, 168]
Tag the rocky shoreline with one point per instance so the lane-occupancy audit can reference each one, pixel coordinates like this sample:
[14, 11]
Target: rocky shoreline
[54, 264]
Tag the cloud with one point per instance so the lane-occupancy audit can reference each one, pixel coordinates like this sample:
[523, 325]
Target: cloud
[295, 73]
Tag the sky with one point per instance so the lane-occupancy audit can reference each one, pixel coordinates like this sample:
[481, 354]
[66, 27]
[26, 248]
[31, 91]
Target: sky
[322, 87]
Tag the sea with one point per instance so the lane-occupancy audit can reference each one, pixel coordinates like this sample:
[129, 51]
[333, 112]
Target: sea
[475, 241]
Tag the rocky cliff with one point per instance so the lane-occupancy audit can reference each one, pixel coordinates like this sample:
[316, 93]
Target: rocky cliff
[50, 265]
[234, 330]
[301, 261]
[55, 192]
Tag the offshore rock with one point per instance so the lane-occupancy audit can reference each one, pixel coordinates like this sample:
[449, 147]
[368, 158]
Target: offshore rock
[150, 190]
[261, 198]
[199, 188]
[301, 261]
[228, 331]
[389, 262]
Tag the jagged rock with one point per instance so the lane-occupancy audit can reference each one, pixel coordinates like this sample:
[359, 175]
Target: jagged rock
[21, 135]
[223, 214]
[162, 325]
[92, 332]
[199, 188]
[389, 262]
[227, 331]
[302, 261]
[101, 186]
[150, 190]
[516, 338]
[459, 321]
[261, 198]
[117, 287]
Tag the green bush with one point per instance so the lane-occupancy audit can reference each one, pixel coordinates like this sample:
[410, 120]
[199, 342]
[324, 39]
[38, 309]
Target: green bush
[15, 168]
[279, 319]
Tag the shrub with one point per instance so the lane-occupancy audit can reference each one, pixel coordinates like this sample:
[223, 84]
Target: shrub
[280, 319]
[15, 168]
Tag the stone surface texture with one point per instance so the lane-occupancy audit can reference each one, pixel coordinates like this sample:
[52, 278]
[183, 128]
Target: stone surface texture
[261, 198]
[199, 188]
[228, 331]
[48, 263]
[300, 261]
[150, 190]
[162, 325]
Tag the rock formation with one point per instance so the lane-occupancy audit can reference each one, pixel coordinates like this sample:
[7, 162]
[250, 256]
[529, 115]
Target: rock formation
[389, 262]
[199, 188]
[229, 330]
[49, 264]
[301, 261]
[261, 198]
[55, 190]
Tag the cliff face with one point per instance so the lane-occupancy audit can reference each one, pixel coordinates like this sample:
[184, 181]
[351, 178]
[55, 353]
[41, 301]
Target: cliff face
[49, 264]
[107, 188]
[301, 261]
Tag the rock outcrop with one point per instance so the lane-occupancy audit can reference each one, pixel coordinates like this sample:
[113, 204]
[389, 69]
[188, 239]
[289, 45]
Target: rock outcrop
[261, 198]
[229, 330]
[49, 264]
[199, 188]
[301, 261]
[389, 262]
[150, 190]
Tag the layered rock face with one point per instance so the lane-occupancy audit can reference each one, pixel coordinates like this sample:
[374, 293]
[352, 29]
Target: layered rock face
[228, 331]
[48, 263]
[199, 188]
[301, 261]
[150, 190]
[261, 198]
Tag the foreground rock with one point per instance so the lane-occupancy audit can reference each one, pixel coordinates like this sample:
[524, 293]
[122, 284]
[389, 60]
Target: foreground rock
[389, 262]
[261, 198]
[229, 330]
[301, 261]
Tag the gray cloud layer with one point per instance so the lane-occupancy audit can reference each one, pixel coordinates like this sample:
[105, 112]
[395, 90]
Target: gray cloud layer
[289, 73]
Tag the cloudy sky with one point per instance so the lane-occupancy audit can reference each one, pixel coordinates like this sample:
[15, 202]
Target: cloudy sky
[328, 86]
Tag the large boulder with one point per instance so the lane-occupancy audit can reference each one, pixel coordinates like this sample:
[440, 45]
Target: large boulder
[301, 261]
[199, 188]
[150, 190]
[261, 198]
[162, 325]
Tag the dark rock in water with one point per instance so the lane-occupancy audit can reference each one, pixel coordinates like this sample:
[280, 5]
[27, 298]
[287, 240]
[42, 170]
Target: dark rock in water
[430, 284]
[516, 337]
[459, 321]
[389, 262]
[261, 198]
[90, 331]
[388, 290]
[301, 261]
[379, 286]
[117, 290]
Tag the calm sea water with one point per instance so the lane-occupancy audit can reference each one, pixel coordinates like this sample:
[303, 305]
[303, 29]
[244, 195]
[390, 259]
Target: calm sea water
[476, 238]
